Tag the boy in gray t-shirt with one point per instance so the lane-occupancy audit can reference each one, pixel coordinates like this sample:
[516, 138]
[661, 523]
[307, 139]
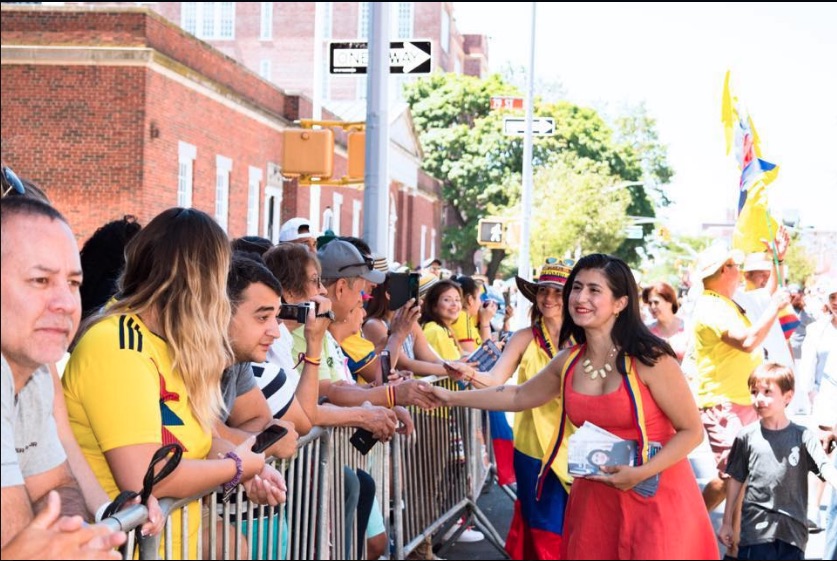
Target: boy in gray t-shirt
[773, 457]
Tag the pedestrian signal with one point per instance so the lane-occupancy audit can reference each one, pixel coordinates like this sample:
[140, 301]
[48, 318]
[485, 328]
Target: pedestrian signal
[491, 233]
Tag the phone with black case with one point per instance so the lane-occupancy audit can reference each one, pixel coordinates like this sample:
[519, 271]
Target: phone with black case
[402, 287]
[363, 441]
[386, 365]
[268, 437]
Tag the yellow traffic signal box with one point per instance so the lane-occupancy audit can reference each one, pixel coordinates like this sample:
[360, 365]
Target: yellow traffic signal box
[357, 154]
[308, 152]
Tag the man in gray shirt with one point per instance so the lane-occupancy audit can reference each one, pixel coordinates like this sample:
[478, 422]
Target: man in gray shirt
[40, 309]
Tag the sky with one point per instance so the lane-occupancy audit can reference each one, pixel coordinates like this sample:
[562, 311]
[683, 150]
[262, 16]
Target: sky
[673, 57]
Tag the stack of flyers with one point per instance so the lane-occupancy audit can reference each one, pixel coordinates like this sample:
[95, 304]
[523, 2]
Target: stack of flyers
[591, 447]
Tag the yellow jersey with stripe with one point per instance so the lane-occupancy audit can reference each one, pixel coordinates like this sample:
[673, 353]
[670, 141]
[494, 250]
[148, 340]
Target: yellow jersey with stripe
[121, 390]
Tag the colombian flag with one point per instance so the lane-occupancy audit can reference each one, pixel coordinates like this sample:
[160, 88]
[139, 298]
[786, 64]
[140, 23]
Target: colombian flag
[754, 221]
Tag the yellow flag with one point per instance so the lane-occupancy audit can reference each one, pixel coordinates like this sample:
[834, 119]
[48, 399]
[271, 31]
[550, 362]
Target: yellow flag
[754, 222]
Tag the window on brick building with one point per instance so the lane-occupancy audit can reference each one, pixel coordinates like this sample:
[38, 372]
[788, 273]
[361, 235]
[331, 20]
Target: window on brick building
[433, 243]
[209, 20]
[445, 31]
[356, 206]
[423, 244]
[266, 21]
[328, 220]
[328, 19]
[223, 168]
[364, 18]
[265, 69]
[337, 206]
[253, 191]
[405, 20]
[186, 155]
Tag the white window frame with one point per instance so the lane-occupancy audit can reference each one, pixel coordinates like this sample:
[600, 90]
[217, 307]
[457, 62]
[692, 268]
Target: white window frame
[337, 210]
[209, 20]
[328, 219]
[266, 21]
[444, 38]
[223, 169]
[423, 244]
[254, 183]
[356, 224]
[186, 156]
[433, 243]
[273, 191]
[393, 220]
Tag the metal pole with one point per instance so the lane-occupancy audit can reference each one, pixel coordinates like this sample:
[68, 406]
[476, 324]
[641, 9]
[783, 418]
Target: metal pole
[524, 266]
[317, 108]
[376, 193]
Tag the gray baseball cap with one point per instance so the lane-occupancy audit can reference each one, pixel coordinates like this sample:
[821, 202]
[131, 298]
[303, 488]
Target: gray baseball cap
[341, 260]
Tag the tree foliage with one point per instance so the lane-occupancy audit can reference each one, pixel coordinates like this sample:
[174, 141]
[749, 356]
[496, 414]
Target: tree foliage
[480, 167]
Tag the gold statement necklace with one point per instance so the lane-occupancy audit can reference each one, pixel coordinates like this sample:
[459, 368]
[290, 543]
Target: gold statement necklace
[599, 372]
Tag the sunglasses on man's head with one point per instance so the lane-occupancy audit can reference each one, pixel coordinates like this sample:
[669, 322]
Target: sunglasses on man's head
[10, 181]
[367, 261]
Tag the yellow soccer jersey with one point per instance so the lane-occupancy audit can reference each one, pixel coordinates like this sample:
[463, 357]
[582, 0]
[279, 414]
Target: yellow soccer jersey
[121, 390]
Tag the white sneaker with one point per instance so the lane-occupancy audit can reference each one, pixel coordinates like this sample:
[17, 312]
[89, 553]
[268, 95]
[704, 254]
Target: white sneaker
[469, 535]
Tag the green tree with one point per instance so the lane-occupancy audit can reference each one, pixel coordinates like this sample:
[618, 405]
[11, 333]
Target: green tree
[480, 168]
[577, 210]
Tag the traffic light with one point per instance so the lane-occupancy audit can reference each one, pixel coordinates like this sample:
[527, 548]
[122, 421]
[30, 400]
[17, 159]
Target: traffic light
[356, 149]
[491, 232]
[308, 152]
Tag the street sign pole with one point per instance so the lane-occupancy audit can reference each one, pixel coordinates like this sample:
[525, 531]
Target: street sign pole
[524, 266]
[376, 192]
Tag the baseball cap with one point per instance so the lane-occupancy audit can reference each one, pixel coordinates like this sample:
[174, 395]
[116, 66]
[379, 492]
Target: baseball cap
[713, 257]
[341, 260]
[296, 229]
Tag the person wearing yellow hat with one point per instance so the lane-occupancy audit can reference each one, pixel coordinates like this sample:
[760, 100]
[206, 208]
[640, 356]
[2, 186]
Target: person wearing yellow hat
[727, 349]
[536, 528]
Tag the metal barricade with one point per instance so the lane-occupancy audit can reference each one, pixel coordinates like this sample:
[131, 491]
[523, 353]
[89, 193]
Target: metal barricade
[240, 529]
[439, 477]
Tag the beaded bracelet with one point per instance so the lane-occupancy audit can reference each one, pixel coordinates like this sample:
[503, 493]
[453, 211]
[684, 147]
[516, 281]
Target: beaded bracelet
[229, 486]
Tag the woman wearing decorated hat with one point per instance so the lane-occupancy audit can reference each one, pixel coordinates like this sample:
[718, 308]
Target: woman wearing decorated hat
[535, 531]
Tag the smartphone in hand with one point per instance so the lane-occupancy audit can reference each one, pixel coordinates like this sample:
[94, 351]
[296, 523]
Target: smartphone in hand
[268, 437]
[363, 441]
[402, 287]
[386, 365]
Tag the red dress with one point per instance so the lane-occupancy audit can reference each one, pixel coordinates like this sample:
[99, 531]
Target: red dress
[603, 522]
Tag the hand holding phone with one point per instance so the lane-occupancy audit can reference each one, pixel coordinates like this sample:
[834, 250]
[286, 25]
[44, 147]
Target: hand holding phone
[386, 365]
[268, 437]
[363, 441]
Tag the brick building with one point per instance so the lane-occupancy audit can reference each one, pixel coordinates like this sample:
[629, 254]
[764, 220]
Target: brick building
[117, 111]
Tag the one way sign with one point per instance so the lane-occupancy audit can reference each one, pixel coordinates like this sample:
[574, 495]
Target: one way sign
[405, 57]
[516, 126]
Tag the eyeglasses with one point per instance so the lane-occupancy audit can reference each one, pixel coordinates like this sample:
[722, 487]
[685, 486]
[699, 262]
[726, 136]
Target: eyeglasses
[11, 181]
[367, 261]
[316, 281]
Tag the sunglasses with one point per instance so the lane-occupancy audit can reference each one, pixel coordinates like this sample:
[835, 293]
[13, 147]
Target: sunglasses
[10, 181]
[367, 261]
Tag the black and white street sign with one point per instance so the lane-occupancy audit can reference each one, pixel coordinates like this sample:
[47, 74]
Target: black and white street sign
[405, 57]
[516, 126]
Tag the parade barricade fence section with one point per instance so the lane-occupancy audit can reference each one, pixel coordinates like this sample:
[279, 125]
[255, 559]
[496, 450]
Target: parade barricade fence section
[425, 483]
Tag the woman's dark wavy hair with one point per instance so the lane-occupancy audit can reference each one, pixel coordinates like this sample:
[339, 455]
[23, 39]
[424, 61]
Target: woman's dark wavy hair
[103, 259]
[629, 333]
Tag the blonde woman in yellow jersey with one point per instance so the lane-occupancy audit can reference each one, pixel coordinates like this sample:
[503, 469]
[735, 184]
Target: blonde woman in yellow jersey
[146, 371]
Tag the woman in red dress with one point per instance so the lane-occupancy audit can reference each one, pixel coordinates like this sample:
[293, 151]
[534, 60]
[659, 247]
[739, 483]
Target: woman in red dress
[626, 380]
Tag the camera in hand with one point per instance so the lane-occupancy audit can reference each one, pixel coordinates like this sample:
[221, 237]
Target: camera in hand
[296, 312]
